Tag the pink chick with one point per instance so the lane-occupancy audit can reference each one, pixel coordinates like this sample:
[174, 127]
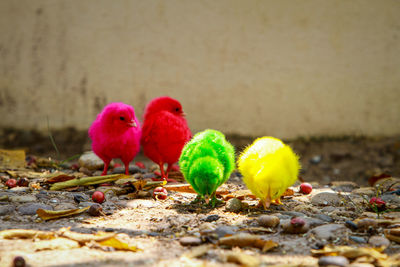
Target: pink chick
[116, 134]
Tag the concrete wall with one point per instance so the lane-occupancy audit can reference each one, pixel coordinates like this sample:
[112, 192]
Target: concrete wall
[285, 68]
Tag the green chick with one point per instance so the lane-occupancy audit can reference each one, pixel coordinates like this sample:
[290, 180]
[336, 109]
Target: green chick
[206, 162]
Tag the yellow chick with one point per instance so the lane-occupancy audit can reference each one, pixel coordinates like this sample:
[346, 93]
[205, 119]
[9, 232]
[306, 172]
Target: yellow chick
[269, 167]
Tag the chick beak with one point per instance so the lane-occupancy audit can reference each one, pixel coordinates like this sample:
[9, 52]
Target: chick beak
[183, 114]
[132, 123]
[207, 199]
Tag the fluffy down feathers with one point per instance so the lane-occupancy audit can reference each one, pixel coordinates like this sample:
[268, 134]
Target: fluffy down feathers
[116, 134]
[207, 162]
[165, 132]
[268, 167]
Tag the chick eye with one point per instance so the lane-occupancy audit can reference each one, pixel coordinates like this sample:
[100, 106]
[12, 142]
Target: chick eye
[177, 109]
[122, 118]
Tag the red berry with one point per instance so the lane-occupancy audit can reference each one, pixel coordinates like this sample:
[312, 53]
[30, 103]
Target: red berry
[160, 193]
[116, 165]
[297, 222]
[175, 168]
[140, 164]
[11, 183]
[305, 188]
[377, 201]
[98, 197]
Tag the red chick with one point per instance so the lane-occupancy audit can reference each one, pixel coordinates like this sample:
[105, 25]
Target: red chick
[116, 134]
[164, 132]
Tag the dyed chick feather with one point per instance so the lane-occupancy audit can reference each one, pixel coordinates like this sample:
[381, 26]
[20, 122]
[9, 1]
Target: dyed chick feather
[165, 132]
[116, 134]
[207, 162]
[268, 167]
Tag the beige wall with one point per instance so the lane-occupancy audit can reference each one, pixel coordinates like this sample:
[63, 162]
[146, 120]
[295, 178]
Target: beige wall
[285, 68]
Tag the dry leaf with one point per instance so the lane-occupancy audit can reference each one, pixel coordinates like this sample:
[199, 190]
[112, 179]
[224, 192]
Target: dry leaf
[84, 238]
[88, 181]
[59, 177]
[248, 240]
[240, 194]
[118, 244]
[183, 188]
[25, 234]
[57, 243]
[393, 234]
[288, 192]
[26, 173]
[349, 252]
[242, 259]
[51, 214]
[197, 252]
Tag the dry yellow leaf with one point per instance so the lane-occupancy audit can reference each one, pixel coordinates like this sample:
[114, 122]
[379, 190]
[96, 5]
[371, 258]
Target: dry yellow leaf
[51, 214]
[12, 159]
[118, 244]
[393, 234]
[242, 259]
[84, 238]
[57, 243]
[25, 234]
[248, 240]
[350, 252]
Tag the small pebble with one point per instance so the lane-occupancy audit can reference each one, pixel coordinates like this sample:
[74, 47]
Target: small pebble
[54, 200]
[366, 223]
[326, 198]
[95, 210]
[358, 239]
[324, 217]
[351, 225]
[23, 198]
[316, 159]
[233, 205]
[378, 241]
[19, 261]
[329, 231]
[225, 230]
[31, 208]
[211, 218]
[268, 220]
[20, 189]
[190, 241]
[6, 209]
[333, 261]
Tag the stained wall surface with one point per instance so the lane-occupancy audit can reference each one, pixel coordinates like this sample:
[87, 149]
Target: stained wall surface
[285, 68]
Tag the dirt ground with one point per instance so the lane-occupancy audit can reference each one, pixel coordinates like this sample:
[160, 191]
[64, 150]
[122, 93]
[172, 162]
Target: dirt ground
[176, 232]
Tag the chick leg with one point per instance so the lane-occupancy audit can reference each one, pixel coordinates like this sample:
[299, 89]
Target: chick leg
[126, 167]
[106, 164]
[164, 176]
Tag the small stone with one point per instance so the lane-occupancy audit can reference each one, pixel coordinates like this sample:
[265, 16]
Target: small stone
[364, 191]
[95, 210]
[325, 199]
[54, 201]
[344, 186]
[207, 227]
[324, 217]
[132, 169]
[19, 261]
[293, 213]
[211, 218]
[367, 223]
[313, 222]
[225, 230]
[23, 198]
[351, 225]
[6, 209]
[190, 241]
[316, 159]
[392, 199]
[329, 231]
[20, 189]
[31, 208]
[233, 205]
[378, 241]
[268, 221]
[333, 261]
[358, 239]
[91, 161]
